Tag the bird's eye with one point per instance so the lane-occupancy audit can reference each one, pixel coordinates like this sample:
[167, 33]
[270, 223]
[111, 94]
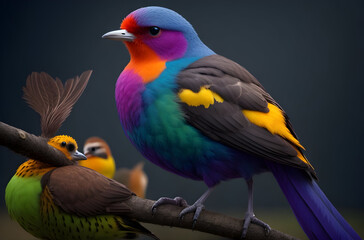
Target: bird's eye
[93, 149]
[63, 144]
[154, 31]
[71, 147]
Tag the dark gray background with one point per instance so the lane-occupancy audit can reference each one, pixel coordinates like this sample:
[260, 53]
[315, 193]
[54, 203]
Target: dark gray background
[307, 54]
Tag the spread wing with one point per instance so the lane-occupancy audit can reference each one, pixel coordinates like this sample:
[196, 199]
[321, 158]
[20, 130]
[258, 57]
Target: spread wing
[85, 192]
[53, 100]
[228, 104]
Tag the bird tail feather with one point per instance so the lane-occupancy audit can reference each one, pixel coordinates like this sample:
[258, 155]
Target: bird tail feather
[315, 213]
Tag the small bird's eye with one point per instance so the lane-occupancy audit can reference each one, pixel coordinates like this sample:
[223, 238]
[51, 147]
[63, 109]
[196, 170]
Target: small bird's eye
[71, 147]
[154, 31]
[63, 144]
[93, 149]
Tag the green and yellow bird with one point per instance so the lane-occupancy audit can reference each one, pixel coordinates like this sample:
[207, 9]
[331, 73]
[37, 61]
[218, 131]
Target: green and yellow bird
[66, 202]
[100, 159]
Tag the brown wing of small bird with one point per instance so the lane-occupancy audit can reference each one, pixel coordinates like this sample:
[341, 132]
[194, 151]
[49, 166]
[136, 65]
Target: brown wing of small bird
[83, 192]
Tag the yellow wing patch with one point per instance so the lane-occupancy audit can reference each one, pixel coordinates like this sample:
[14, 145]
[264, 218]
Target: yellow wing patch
[273, 121]
[300, 156]
[204, 97]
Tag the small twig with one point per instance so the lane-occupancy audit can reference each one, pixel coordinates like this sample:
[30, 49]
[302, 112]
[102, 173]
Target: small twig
[35, 147]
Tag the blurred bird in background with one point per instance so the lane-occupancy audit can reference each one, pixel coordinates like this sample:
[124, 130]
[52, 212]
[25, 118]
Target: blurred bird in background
[100, 159]
[66, 201]
[202, 116]
[135, 179]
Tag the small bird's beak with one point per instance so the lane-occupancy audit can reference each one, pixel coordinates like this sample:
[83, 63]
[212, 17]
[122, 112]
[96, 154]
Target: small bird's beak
[119, 35]
[76, 156]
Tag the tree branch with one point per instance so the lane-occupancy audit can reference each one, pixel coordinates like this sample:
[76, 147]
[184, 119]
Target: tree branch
[31, 146]
[35, 147]
[209, 222]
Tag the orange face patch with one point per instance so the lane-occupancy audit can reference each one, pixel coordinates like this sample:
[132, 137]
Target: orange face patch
[144, 61]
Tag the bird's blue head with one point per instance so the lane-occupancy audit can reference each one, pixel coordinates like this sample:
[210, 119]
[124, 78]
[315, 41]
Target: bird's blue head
[163, 31]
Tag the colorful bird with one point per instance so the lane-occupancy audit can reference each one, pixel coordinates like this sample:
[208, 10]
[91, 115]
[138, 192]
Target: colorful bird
[100, 159]
[202, 116]
[66, 202]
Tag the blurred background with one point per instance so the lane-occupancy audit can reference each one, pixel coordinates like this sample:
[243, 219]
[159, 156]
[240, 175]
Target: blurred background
[307, 54]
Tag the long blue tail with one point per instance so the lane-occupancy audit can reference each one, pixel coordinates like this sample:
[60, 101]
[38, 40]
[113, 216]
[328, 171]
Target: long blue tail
[314, 212]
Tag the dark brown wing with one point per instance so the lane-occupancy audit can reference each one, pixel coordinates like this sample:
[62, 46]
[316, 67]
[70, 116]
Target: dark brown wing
[85, 192]
[231, 81]
[52, 100]
[224, 121]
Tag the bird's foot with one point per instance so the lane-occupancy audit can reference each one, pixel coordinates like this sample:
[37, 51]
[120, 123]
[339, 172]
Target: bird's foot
[177, 201]
[197, 208]
[251, 218]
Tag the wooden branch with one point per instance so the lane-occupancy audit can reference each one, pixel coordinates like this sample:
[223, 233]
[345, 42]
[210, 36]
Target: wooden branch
[35, 147]
[31, 146]
[209, 222]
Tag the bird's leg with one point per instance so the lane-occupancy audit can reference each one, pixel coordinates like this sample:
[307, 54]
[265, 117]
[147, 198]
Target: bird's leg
[196, 207]
[250, 216]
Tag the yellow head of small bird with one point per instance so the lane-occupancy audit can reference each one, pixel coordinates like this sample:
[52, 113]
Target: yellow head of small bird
[68, 146]
[99, 157]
